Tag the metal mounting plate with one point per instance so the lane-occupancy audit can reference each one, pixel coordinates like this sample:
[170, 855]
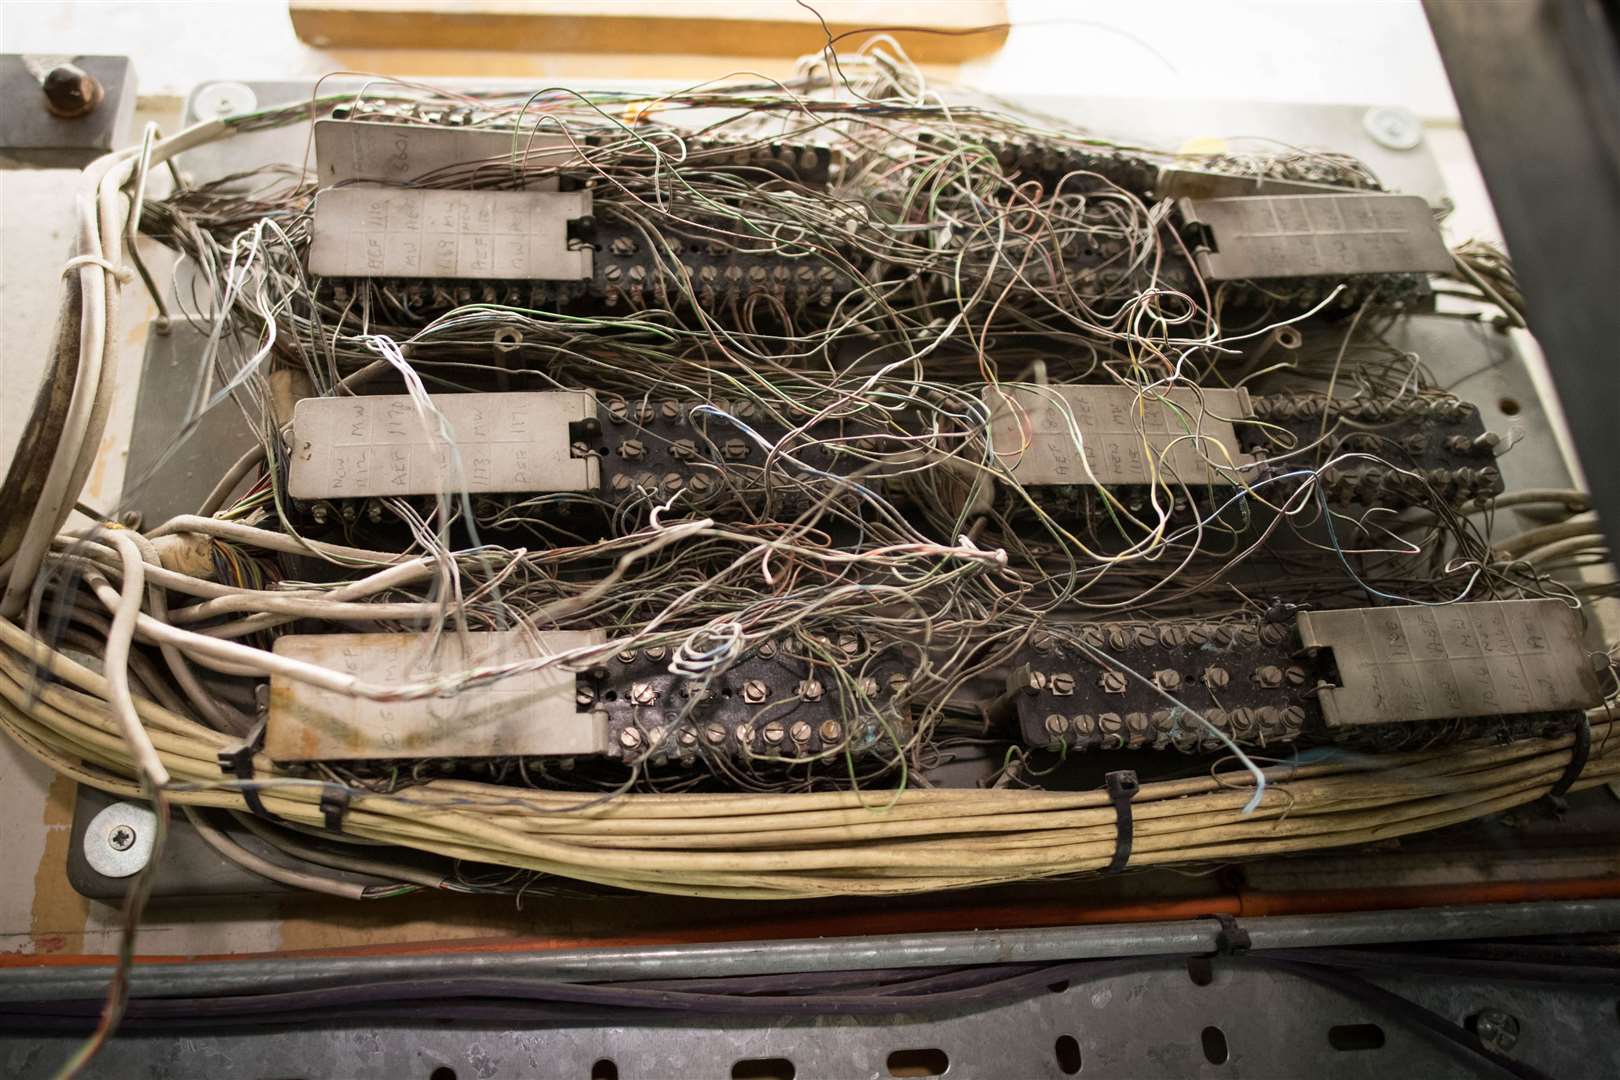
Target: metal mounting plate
[369, 231]
[359, 447]
[1125, 437]
[1484, 658]
[533, 712]
[1282, 236]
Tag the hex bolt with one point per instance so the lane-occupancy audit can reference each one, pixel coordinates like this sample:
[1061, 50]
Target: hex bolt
[1113, 682]
[831, 731]
[800, 731]
[70, 91]
[1216, 676]
[122, 838]
[1062, 683]
[755, 691]
[1496, 1029]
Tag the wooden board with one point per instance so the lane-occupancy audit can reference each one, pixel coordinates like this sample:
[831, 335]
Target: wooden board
[732, 28]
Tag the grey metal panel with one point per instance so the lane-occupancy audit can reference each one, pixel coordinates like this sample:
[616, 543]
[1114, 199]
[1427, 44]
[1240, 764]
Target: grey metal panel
[529, 712]
[1281, 236]
[376, 445]
[172, 466]
[31, 135]
[368, 231]
[1151, 1020]
[1482, 658]
[1537, 84]
[1125, 437]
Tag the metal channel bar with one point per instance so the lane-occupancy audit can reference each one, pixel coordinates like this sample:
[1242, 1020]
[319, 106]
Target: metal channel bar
[827, 954]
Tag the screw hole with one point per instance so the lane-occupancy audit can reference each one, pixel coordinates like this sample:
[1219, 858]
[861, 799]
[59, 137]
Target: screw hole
[929, 1061]
[1200, 970]
[611, 695]
[605, 1069]
[1508, 406]
[1058, 987]
[1355, 1037]
[763, 1069]
[443, 1072]
[1215, 1049]
[1067, 1050]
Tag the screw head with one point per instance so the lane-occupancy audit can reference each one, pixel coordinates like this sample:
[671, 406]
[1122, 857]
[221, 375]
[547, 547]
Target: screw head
[1393, 127]
[121, 838]
[1062, 683]
[70, 91]
[755, 691]
[1497, 1029]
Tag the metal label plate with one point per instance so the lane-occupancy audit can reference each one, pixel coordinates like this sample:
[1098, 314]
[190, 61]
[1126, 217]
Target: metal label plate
[1126, 437]
[347, 151]
[359, 447]
[1281, 236]
[1484, 658]
[531, 713]
[431, 233]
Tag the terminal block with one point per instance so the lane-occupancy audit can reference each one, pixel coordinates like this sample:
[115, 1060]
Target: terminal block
[1378, 675]
[781, 702]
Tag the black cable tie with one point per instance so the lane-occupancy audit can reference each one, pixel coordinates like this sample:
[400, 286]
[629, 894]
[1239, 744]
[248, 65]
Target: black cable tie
[1579, 753]
[1122, 788]
[1231, 939]
[334, 804]
[237, 761]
